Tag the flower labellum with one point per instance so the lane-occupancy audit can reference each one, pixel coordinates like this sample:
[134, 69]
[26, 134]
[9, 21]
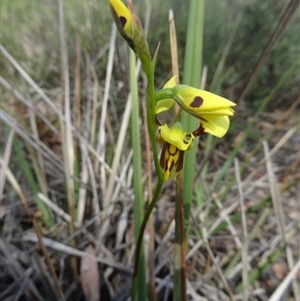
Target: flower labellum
[175, 142]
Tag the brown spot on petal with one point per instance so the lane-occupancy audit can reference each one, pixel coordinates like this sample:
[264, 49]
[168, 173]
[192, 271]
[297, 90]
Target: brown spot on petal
[123, 21]
[197, 102]
[199, 131]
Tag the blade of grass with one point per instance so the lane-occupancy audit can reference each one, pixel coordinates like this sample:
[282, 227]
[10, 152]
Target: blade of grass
[76, 113]
[77, 98]
[94, 118]
[179, 288]
[66, 128]
[101, 132]
[137, 176]
[191, 76]
[40, 166]
[245, 232]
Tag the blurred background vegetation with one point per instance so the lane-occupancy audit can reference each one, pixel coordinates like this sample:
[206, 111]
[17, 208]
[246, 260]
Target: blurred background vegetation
[30, 34]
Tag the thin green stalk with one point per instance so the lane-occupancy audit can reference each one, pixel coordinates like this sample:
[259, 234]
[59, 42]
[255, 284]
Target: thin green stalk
[191, 76]
[137, 176]
[151, 123]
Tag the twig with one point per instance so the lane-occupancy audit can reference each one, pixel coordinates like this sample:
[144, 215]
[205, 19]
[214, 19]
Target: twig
[245, 232]
[55, 208]
[101, 132]
[66, 127]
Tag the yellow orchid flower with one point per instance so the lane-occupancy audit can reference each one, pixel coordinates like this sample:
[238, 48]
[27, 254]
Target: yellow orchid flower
[211, 109]
[175, 142]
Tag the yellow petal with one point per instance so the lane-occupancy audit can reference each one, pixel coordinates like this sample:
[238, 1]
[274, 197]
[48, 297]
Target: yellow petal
[123, 17]
[163, 105]
[171, 82]
[176, 136]
[216, 126]
[166, 104]
[203, 102]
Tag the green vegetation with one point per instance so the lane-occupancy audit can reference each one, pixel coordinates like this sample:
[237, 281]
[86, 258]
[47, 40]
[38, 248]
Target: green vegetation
[85, 181]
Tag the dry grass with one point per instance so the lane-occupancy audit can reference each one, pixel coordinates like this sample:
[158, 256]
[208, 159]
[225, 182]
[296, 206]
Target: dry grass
[75, 144]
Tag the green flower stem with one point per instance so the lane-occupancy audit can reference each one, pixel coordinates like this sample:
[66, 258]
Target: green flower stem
[164, 94]
[141, 234]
